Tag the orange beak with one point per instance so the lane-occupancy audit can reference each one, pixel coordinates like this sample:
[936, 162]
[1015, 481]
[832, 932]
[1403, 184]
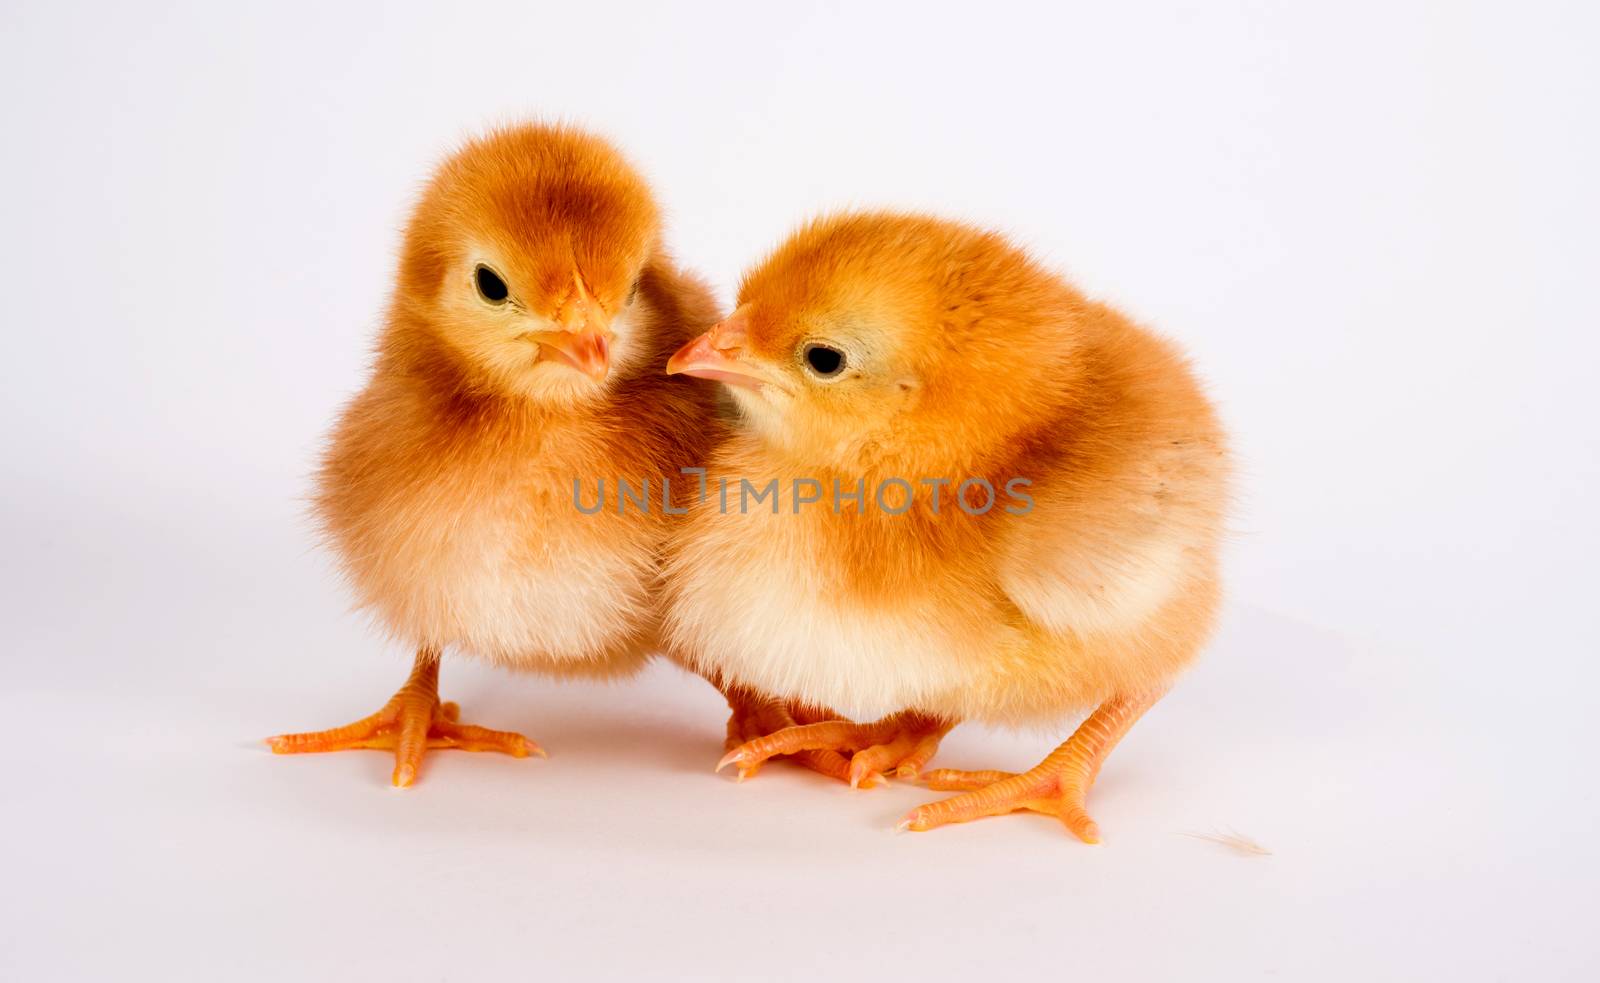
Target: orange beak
[715, 355]
[588, 351]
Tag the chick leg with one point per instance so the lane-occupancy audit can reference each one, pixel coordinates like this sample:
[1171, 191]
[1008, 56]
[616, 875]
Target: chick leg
[1056, 786]
[754, 716]
[411, 722]
[904, 742]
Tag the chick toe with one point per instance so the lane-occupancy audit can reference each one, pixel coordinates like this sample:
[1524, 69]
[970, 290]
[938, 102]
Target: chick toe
[903, 742]
[753, 717]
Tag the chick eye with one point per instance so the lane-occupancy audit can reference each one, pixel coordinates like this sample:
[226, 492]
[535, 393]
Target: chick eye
[490, 286]
[824, 361]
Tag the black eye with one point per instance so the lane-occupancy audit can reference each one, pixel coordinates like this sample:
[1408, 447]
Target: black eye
[490, 286]
[825, 361]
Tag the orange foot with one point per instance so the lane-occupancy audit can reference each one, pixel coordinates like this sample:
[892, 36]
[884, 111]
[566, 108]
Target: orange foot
[411, 722]
[754, 716]
[903, 742]
[1056, 786]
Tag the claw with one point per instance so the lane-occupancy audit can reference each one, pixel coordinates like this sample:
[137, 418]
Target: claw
[404, 775]
[863, 776]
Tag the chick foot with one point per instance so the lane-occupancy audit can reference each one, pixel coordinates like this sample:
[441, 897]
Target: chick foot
[904, 743]
[1057, 786]
[409, 724]
[754, 716]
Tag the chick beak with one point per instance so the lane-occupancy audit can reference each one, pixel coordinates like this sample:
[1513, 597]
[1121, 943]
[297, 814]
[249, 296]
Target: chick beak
[715, 355]
[586, 350]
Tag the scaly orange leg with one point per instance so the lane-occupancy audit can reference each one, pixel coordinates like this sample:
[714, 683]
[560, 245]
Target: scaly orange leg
[904, 742]
[411, 722]
[754, 716]
[1056, 786]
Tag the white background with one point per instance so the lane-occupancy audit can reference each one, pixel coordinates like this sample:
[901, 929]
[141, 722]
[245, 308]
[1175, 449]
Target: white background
[1373, 225]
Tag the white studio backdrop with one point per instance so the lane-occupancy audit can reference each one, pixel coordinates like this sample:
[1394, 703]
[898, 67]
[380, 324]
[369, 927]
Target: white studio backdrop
[1372, 224]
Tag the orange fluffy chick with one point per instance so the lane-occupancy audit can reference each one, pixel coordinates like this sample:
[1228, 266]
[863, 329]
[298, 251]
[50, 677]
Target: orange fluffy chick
[533, 308]
[881, 353]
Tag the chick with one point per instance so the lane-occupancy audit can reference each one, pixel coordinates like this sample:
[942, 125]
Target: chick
[996, 500]
[518, 365]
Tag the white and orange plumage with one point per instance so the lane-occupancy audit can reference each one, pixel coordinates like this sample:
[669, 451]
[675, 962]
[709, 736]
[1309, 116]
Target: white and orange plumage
[522, 351]
[875, 347]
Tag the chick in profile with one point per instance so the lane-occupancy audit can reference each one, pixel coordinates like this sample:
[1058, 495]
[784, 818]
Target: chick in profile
[521, 353]
[996, 501]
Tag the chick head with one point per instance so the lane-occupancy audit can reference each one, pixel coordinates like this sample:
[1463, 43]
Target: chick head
[873, 340]
[524, 258]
